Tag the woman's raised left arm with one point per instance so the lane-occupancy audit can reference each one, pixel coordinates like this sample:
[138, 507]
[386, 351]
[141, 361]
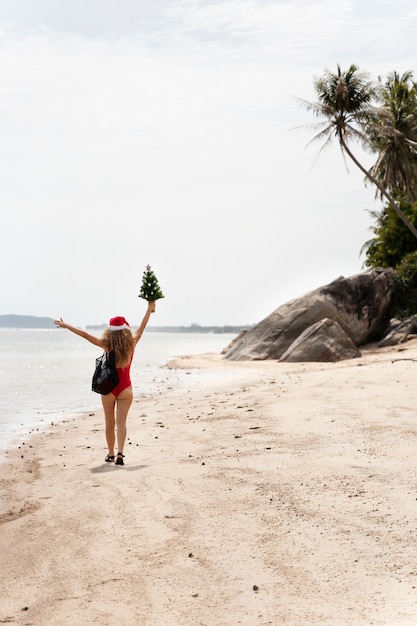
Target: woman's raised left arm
[139, 332]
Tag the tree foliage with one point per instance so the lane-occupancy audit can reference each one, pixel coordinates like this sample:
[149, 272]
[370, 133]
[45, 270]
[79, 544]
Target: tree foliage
[348, 103]
[394, 246]
[391, 241]
[382, 117]
[407, 279]
[393, 133]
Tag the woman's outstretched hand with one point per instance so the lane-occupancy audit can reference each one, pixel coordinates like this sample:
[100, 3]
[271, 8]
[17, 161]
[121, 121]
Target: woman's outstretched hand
[60, 323]
[151, 307]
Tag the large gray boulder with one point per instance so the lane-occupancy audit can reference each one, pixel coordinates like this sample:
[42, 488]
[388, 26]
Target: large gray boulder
[324, 341]
[361, 305]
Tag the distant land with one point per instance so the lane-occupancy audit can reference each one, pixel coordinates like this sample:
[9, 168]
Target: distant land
[193, 328]
[25, 321]
[31, 321]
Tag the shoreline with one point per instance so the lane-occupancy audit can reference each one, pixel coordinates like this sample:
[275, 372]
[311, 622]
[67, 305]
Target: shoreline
[284, 495]
[164, 378]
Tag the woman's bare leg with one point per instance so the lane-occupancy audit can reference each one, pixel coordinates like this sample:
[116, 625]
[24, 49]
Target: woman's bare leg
[109, 403]
[123, 402]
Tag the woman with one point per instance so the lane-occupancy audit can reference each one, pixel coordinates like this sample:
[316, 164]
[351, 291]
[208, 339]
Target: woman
[116, 404]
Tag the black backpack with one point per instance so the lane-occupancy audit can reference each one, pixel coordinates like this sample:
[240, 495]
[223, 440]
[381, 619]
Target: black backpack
[105, 377]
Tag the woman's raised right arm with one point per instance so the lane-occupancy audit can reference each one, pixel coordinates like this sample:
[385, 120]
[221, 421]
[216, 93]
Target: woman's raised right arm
[81, 333]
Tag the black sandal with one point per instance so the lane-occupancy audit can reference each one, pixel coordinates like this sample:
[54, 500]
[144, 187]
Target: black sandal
[109, 458]
[120, 457]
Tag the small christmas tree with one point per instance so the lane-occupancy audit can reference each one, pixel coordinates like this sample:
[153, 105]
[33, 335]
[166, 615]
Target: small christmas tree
[150, 289]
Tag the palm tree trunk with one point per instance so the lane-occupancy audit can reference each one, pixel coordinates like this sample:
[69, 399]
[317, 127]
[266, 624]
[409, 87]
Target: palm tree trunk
[383, 191]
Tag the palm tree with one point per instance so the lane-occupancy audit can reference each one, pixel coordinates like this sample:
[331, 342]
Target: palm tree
[345, 100]
[394, 135]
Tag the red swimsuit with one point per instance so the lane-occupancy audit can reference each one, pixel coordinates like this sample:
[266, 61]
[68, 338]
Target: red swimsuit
[124, 379]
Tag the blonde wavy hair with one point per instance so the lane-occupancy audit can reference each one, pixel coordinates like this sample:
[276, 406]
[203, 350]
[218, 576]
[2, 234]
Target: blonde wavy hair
[121, 341]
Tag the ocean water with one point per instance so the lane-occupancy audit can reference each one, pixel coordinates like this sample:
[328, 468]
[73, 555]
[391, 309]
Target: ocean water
[46, 374]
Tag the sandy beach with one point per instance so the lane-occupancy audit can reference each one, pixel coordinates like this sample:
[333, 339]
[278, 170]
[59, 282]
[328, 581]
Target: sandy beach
[286, 495]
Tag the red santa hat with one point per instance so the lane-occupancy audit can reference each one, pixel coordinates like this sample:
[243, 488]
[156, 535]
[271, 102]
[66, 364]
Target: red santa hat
[118, 323]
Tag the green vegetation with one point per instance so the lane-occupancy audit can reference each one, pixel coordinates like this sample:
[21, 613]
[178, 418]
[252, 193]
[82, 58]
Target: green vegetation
[382, 117]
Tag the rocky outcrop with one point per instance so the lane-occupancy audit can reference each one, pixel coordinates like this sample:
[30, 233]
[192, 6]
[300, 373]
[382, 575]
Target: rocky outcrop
[323, 341]
[360, 305]
[399, 331]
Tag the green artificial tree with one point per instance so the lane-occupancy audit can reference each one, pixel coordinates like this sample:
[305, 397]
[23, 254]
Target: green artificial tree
[150, 289]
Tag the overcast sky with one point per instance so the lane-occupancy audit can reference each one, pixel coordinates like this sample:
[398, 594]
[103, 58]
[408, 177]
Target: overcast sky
[136, 132]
